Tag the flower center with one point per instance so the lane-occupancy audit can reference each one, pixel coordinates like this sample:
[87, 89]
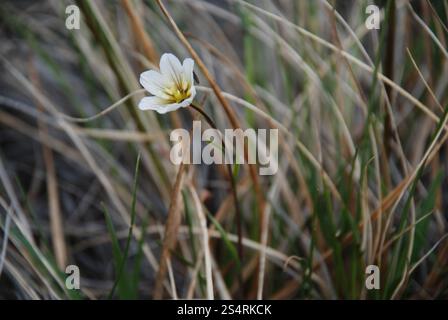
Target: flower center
[178, 93]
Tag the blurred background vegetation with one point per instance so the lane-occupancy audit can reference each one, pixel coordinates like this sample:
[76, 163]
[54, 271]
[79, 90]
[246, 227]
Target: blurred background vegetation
[362, 154]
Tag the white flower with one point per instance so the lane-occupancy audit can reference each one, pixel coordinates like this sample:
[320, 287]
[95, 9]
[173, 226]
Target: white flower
[172, 87]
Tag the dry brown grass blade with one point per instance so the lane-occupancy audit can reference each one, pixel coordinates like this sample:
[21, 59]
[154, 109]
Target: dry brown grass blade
[57, 229]
[231, 65]
[171, 227]
[139, 31]
[54, 208]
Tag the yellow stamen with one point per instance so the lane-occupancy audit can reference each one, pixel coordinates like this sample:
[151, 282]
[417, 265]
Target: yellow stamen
[178, 93]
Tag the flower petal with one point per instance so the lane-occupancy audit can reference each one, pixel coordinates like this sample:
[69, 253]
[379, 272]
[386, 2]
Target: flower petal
[150, 103]
[160, 105]
[169, 107]
[188, 66]
[154, 83]
[171, 68]
[192, 95]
